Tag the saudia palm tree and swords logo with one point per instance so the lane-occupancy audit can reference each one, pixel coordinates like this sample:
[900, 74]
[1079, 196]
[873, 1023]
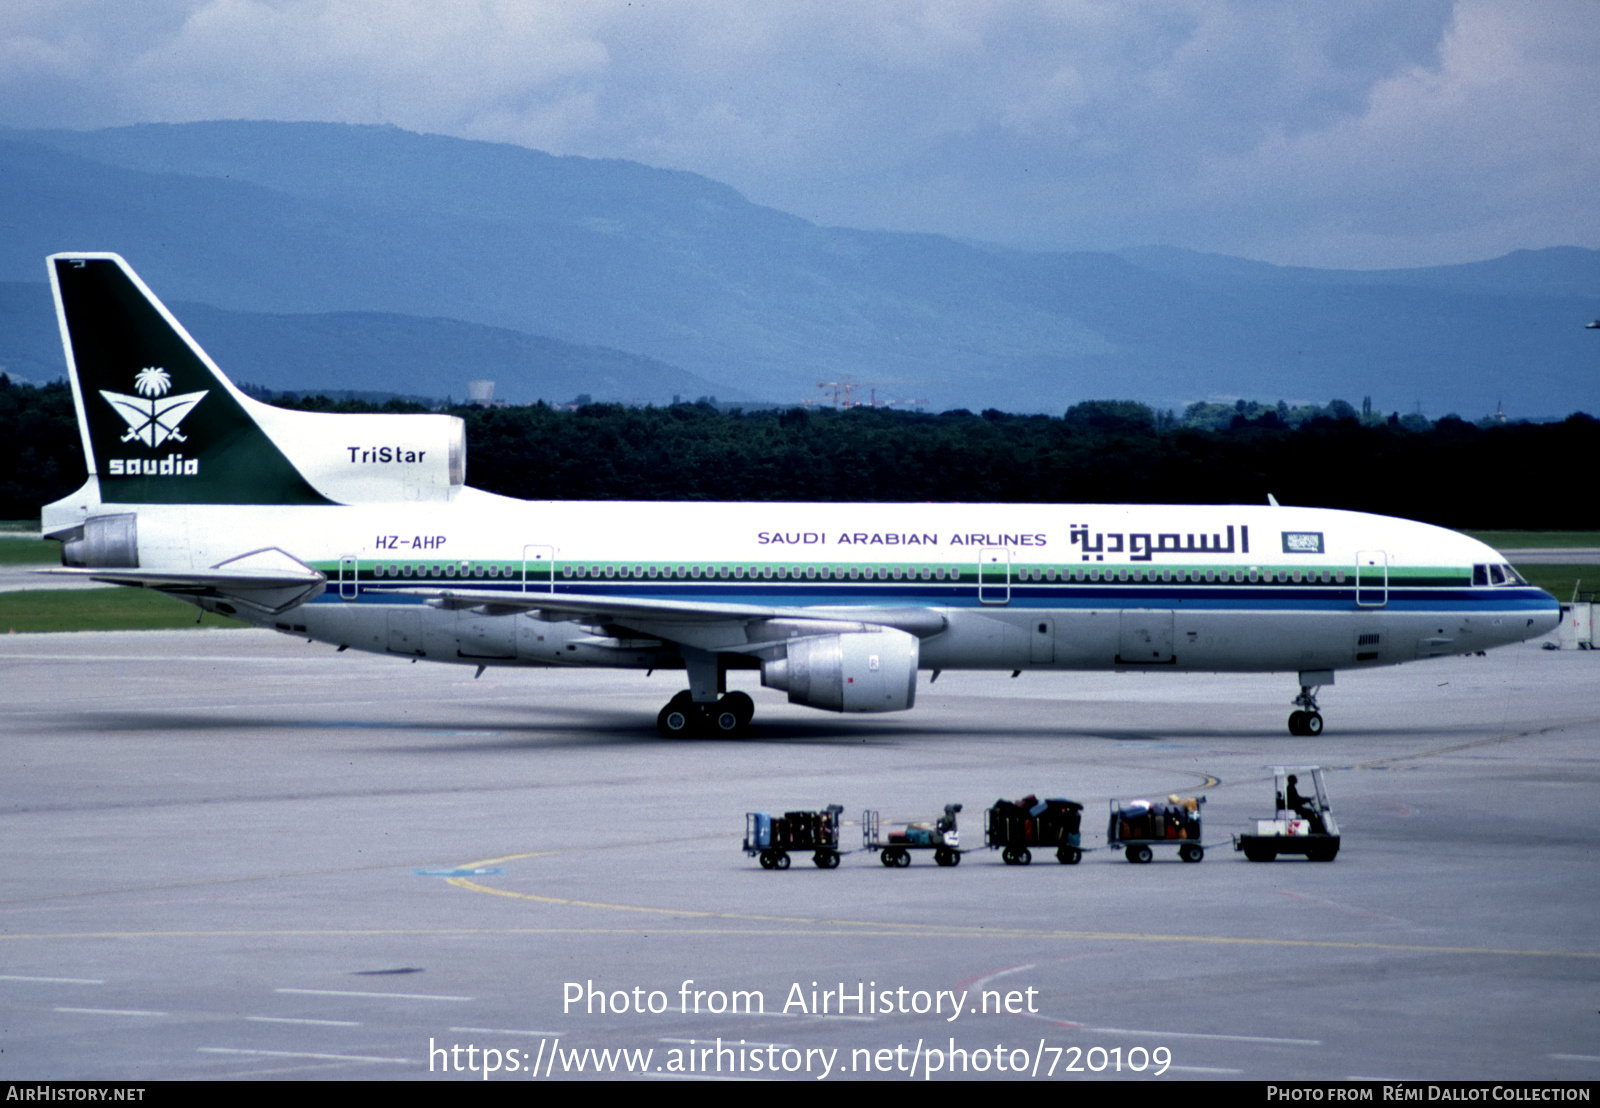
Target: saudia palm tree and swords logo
[153, 418]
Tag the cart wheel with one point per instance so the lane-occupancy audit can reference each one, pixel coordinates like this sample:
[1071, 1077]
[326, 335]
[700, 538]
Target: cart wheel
[1024, 856]
[780, 860]
[1139, 854]
[833, 859]
[1008, 856]
[766, 859]
[887, 858]
[1191, 852]
[825, 859]
[947, 857]
[902, 858]
[1069, 855]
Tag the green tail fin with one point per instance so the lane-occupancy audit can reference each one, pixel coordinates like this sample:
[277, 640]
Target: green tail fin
[161, 424]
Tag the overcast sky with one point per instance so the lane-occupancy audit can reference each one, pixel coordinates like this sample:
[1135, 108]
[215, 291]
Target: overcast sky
[1358, 133]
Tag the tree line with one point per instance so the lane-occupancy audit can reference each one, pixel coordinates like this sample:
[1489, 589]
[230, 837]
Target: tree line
[1454, 473]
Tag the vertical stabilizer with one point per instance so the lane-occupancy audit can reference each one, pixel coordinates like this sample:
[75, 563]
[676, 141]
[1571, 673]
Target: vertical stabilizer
[160, 423]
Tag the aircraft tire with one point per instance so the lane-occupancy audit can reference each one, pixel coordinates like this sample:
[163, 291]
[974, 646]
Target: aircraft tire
[1312, 724]
[676, 722]
[1297, 723]
[741, 705]
[725, 722]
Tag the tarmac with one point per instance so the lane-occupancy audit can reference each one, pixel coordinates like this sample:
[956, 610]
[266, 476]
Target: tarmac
[235, 855]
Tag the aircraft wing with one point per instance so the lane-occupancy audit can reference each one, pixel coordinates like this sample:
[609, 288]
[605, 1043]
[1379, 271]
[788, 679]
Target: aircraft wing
[707, 625]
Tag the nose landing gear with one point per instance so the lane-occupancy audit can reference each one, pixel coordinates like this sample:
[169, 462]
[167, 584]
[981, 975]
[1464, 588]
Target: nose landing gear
[1306, 721]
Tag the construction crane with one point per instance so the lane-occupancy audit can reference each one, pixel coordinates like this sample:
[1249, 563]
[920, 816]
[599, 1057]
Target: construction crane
[844, 392]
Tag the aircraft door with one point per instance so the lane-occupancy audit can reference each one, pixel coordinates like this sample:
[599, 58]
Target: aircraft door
[349, 577]
[538, 569]
[994, 575]
[1372, 578]
[1146, 637]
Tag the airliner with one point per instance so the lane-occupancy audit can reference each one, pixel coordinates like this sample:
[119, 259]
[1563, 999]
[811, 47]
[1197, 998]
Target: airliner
[360, 531]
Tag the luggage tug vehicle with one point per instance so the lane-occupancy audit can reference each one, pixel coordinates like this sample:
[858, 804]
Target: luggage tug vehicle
[1139, 825]
[939, 836]
[1015, 828]
[1304, 824]
[770, 838]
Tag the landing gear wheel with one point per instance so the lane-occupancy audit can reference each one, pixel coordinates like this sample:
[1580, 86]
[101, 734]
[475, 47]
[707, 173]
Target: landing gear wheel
[1191, 852]
[1297, 723]
[740, 705]
[1312, 724]
[678, 719]
[947, 857]
[1069, 855]
[1139, 855]
[725, 722]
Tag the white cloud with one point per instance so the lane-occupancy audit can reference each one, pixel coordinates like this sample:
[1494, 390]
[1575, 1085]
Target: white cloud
[1368, 132]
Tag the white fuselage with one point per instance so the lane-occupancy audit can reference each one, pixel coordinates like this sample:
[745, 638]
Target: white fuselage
[1018, 586]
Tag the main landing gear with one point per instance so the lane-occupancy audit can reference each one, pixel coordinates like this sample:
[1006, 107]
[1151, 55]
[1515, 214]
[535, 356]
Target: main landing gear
[1306, 721]
[726, 717]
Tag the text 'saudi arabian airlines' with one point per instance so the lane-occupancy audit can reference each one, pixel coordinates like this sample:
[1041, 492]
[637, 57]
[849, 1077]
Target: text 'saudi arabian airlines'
[359, 530]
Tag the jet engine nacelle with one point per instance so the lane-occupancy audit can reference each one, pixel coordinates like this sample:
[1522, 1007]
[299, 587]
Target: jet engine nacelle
[859, 671]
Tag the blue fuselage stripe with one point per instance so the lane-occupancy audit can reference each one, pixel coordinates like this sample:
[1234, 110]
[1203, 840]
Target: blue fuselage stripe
[879, 594]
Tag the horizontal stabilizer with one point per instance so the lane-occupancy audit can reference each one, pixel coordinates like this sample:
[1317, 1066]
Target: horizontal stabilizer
[268, 581]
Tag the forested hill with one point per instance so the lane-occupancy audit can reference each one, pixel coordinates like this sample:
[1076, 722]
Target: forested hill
[1096, 453]
[365, 238]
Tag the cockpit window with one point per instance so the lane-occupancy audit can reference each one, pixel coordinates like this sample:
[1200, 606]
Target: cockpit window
[1497, 575]
[1513, 577]
[1480, 575]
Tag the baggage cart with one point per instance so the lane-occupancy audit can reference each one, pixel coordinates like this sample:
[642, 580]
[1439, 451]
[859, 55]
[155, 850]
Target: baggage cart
[1303, 823]
[940, 836]
[770, 838]
[1017, 828]
[1138, 826]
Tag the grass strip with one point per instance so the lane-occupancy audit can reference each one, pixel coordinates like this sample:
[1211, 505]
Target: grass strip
[110, 609]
